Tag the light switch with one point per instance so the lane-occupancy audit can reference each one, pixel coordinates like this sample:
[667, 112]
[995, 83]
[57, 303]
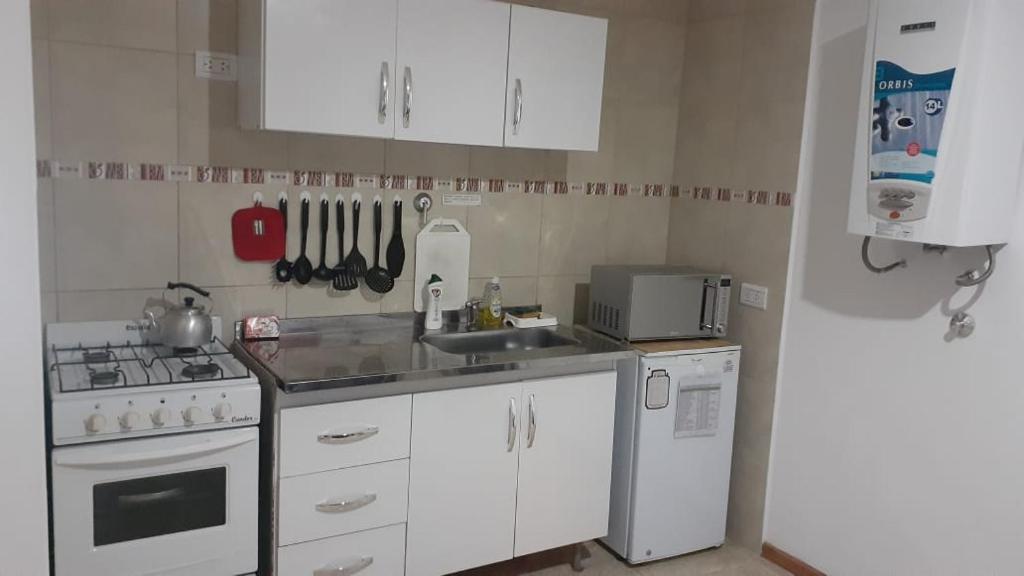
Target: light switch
[754, 296]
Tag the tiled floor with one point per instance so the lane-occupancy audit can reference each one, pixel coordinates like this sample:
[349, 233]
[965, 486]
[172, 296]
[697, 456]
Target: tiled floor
[725, 561]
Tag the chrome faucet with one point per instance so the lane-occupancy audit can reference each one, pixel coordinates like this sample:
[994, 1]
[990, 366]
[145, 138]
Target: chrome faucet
[470, 313]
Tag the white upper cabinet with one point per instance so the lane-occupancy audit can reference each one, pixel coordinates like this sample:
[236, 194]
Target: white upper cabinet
[452, 57]
[555, 80]
[325, 66]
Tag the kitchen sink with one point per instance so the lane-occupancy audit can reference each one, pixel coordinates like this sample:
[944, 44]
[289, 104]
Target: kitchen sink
[518, 340]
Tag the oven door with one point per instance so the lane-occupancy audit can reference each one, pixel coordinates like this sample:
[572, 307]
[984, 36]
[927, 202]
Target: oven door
[171, 505]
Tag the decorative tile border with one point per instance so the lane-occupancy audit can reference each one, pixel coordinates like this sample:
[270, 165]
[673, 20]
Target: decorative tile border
[203, 174]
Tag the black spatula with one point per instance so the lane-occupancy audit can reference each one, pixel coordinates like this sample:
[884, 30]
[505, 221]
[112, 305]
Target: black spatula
[378, 279]
[355, 262]
[343, 278]
[396, 247]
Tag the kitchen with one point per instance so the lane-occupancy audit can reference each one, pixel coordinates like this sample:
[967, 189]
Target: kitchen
[690, 150]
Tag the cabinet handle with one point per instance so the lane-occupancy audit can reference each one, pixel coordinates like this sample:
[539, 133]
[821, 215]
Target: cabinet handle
[385, 96]
[513, 426]
[517, 115]
[531, 427]
[407, 104]
[336, 505]
[344, 568]
[330, 437]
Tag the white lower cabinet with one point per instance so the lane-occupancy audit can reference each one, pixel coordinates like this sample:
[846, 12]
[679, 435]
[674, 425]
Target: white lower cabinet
[462, 480]
[377, 552]
[565, 461]
[507, 470]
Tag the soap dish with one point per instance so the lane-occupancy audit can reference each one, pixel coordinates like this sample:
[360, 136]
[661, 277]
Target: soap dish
[531, 320]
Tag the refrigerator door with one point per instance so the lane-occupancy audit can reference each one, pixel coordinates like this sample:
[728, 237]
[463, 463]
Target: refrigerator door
[683, 454]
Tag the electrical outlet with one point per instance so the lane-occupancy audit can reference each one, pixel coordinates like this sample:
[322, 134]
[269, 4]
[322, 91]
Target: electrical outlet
[216, 66]
[754, 296]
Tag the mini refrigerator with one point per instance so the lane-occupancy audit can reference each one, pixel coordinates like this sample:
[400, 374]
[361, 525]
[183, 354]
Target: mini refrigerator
[675, 412]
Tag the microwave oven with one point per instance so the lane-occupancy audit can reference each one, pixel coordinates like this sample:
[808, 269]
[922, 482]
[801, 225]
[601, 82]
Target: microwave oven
[658, 302]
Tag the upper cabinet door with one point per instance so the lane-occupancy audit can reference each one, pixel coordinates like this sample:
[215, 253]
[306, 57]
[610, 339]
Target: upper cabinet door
[555, 80]
[329, 66]
[565, 461]
[452, 57]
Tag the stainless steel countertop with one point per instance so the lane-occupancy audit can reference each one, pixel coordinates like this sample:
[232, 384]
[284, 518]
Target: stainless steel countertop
[381, 355]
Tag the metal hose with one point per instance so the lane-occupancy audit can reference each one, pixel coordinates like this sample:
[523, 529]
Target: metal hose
[975, 277]
[877, 269]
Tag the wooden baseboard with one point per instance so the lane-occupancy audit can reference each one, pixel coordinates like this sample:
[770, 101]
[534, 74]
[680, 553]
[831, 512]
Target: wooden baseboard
[795, 565]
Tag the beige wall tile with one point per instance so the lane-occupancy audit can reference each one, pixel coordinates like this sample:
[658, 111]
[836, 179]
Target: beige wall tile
[40, 19]
[697, 233]
[516, 163]
[557, 294]
[596, 166]
[667, 9]
[400, 298]
[148, 24]
[505, 235]
[236, 303]
[645, 142]
[41, 97]
[515, 291]
[207, 25]
[423, 159]
[115, 235]
[316, 299]
[644, 61]
[104, 304]
[113, 104]
[573, 234]
[345, 153]
[208, 126]
[48, 305]
[206, 251]
[47, 235]
[638, 230]
[710, 9]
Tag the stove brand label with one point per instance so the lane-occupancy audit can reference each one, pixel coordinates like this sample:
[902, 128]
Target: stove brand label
[237, 419]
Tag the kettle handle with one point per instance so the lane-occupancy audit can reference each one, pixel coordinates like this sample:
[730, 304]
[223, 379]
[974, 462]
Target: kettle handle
[192, 287]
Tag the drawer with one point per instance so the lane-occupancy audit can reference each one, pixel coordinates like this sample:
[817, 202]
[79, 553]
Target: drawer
[342, 501]
[332, 436]
[380, 551]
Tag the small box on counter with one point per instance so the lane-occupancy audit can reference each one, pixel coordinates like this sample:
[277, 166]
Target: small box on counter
[261, 328]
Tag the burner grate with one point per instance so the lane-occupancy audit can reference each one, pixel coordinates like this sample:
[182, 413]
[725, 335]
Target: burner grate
[108, 366]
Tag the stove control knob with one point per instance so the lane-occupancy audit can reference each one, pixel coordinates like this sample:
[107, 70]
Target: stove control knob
[95, 423]
[191, 415]
[160, 416]
[129, 420]
[222, 411]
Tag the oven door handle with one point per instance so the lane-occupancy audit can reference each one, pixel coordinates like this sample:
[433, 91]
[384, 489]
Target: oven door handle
[192, 450]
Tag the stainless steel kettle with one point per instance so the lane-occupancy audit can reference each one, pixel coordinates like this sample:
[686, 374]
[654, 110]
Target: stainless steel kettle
[183, 325]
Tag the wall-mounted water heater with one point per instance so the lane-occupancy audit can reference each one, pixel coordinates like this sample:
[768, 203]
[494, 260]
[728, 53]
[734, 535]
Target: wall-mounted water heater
[940, 148]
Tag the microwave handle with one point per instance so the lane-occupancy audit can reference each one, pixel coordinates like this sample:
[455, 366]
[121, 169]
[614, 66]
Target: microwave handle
[704, 323]
[192, 450]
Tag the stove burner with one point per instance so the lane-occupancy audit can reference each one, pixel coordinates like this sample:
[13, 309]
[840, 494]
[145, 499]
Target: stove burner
[97, 356]
[185, 350]
[105, 378]
[200, 371]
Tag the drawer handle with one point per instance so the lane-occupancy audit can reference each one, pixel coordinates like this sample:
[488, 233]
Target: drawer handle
[330, 437]
[335, 505]
[345, 567]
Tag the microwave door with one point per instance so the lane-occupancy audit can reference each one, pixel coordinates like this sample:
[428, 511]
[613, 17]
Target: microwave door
[670, 307]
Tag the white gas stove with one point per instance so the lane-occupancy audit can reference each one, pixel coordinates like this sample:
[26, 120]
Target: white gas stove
[108, 381]
[155, 454]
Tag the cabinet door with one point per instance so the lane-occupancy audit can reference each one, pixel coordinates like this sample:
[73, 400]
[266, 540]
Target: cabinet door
[555, 79]
[452, 57]
[565, 461]
[462, 478]
[329, 66]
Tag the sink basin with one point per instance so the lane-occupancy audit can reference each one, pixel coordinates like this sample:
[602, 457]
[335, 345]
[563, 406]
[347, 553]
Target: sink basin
[520, 340]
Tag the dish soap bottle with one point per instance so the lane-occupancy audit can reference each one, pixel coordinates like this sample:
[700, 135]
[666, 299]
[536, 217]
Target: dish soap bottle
[435, 288]
[490, 315]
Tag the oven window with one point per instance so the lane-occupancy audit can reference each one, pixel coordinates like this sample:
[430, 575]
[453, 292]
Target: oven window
[157, 505]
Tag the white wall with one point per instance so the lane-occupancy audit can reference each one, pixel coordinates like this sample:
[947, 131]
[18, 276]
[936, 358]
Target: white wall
[895, 451]
[23, 537]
